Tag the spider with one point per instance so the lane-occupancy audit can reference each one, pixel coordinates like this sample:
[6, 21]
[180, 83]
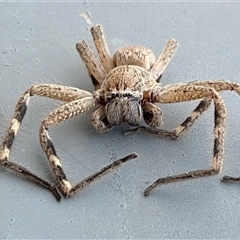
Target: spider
[127, 87]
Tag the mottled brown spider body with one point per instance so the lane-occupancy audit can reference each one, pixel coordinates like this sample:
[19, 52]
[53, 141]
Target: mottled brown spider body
[127, 89]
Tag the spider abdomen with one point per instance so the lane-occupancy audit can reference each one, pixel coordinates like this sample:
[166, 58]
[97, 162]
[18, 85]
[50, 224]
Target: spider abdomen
[134, 55]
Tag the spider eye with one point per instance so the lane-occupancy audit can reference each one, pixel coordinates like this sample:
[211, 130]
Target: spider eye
[112, 96]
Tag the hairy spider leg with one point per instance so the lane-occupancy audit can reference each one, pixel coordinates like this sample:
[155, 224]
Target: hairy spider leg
[187, 92]
[63, 113]
[102, 48]
[164, 59]
[47, 90]
[94, 66]
[191, 91]
[218, 85]
[7, 143]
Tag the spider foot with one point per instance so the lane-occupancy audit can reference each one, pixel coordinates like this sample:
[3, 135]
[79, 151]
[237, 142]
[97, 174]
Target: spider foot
[160, 182]
[149, 189]
[161, 132]
[227, 178]
[55, 193]
[137, 129]
[180, 177]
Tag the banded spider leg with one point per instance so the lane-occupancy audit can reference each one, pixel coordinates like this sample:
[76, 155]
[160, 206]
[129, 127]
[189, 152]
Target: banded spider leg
[79, 101]
[208, 91]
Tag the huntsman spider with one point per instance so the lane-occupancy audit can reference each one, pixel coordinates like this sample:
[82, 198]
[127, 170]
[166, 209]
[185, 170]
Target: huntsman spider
[127, 89]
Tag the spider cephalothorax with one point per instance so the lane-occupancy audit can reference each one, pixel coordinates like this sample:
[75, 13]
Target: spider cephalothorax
[127, 89]
[122, 94]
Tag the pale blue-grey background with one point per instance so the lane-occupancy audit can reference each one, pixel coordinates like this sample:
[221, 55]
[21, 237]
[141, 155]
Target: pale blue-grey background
[38, 46]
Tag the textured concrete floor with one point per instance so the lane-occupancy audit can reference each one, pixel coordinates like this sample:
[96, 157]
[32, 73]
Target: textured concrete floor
[38, 46]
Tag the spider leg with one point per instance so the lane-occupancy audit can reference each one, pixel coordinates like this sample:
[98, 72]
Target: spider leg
[164, 59]
[218, 85]
[94, 66]
[31, 176]
[60, 114]
[48, 90]
[102, 48]
[186, 92]
[221, 85]
[87, 181]
[8, 142]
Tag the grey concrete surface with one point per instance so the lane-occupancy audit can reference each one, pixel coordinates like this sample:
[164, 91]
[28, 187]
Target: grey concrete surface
[38, 46]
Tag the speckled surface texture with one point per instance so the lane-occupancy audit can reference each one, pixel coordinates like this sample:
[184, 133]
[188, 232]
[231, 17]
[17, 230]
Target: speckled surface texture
[38, 46]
